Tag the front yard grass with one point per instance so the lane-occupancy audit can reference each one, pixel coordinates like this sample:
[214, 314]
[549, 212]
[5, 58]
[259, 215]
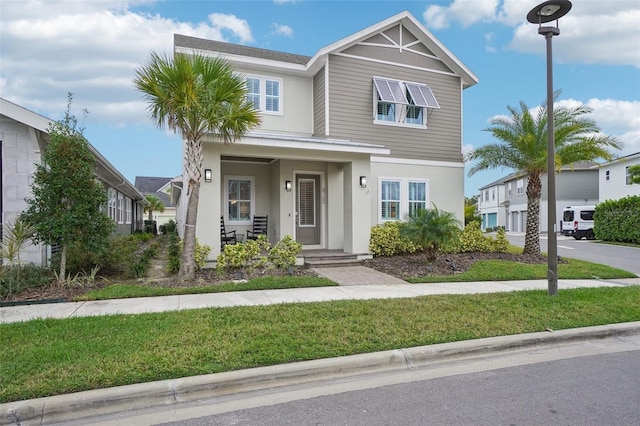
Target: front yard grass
[121, 291]
[502, 270]
[55, 356]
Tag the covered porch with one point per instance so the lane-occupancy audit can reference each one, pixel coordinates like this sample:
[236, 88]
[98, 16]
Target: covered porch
[313, 189]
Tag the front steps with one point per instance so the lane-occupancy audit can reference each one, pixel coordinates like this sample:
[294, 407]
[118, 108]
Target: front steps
[331, 258]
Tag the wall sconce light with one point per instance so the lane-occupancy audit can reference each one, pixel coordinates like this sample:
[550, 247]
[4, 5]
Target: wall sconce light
[207, 175]
[363, 181]
[287, 185]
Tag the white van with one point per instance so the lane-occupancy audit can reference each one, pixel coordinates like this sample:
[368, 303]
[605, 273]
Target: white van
[577, 222]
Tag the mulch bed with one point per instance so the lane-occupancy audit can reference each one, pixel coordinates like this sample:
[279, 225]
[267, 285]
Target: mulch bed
[404, 266]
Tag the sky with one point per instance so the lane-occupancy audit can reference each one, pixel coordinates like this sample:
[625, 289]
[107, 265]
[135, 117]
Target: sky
[91, 48]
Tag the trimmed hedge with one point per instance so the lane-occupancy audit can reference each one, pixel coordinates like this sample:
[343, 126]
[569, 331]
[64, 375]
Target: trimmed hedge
[618, 220]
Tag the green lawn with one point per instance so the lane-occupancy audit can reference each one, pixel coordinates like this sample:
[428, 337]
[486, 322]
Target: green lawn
[121, 291]
[502, 270]
[50, 357]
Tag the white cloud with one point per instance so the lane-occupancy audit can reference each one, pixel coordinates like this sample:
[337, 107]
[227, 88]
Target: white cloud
[90, 48]
[591, 33]
[283, 30]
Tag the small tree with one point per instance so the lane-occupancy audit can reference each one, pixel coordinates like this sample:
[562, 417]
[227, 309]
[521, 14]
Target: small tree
[155, 205]
[67, 199]
[16, 237]
[431, 229]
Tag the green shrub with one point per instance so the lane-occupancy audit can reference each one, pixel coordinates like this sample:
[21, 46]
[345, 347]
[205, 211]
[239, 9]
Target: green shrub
[16, 278]
[618, 220]
[471, 239]
[168, 228]
[283, 254]
[258, 254]
[500, 244]
[385, 240]
[173, 258]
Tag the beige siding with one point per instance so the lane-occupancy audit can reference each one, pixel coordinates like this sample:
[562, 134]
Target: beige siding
[319, 103]
[351, 112]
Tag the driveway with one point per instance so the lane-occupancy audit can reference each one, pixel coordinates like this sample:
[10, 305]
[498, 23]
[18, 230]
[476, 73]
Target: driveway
[627, 258]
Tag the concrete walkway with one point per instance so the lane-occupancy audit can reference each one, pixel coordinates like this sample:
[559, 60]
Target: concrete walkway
[356, 283]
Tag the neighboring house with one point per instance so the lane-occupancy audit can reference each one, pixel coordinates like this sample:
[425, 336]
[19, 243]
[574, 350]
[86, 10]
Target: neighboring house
[491, 207]
[365, 131]
[23, 138]
[574, 186]
[614, 178]
[161, 188]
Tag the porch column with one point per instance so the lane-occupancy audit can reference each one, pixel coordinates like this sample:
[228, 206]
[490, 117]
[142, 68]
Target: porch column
[357, 206]
[209, 205]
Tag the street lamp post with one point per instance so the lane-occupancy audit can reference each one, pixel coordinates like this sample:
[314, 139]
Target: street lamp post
[546, 12]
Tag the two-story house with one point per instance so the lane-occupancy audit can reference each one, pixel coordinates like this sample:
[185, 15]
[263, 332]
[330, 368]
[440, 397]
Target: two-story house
[367, 130]
[23, 138]
[615, 180]
[575, 185]
[491, 203]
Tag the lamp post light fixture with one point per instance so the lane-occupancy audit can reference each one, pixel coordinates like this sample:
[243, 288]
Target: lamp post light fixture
[541, 14]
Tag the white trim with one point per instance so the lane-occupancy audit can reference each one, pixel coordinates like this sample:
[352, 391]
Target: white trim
[304, 143]
[404, 196]
[326, 98]
[410, 161]
[380, 61]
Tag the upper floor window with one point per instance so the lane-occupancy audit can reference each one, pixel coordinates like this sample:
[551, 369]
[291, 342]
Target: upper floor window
[627, 179]
[509, 189]
[240, 195]
[520, 186]
[493, 194]
[265, 93]
[402, 102]
[607, 176]
[486, 195]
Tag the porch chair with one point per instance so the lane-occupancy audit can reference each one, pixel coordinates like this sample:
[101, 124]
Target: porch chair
[226, 237]
[259, 227]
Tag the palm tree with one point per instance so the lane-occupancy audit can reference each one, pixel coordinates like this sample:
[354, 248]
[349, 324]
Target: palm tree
[155, 205]
[522, 146]
[195, 95]
[431, 229]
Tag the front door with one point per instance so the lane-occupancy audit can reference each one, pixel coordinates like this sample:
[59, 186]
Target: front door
[308, 209]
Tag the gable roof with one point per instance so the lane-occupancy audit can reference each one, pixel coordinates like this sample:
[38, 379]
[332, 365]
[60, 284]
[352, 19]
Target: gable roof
[149, 185]
[104, 169]
[310, 65]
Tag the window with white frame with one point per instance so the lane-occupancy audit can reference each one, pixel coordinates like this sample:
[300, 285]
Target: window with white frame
[265, 93]
[390, 200]
[120, 208]
[417, 197]
[112, 204]
[127, 210]
[627, 178]
[509, 189]
[493, 194]
[240, 196]
[607, 176]
[401, 197]
[402, 102]
[520, 186]
[486, 195]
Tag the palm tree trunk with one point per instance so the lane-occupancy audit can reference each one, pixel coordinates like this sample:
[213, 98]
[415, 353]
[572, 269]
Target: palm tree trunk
[532, 237]
[188, 261]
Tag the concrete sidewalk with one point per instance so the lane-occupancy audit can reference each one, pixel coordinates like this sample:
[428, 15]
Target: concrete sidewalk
[355, 284]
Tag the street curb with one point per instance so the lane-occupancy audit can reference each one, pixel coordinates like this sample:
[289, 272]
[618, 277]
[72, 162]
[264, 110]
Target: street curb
[107, 401]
